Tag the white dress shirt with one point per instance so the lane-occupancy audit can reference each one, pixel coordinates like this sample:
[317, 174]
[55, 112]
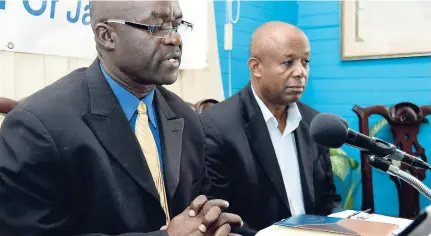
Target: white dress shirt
[285, 150]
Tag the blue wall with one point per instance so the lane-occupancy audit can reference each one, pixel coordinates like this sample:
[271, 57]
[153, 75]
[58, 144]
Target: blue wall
[253, 14]
[336, 86]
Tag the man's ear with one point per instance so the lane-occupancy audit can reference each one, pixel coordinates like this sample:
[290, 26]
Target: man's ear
[105, 36]
[255, 67]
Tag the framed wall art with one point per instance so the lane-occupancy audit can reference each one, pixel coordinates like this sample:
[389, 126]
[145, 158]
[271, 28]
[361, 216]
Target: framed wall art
[385, 29]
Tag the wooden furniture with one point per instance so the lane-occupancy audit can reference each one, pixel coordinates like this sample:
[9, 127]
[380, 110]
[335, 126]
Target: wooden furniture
[404, 120]
[6, 105]
[204, 104]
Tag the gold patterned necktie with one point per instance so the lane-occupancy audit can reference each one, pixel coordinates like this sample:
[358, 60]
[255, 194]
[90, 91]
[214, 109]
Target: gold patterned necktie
[149, 148]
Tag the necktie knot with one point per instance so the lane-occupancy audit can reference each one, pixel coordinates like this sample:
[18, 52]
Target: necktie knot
[142, 108]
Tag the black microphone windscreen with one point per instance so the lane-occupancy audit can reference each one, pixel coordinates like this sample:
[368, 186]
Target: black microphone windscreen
[329, 130]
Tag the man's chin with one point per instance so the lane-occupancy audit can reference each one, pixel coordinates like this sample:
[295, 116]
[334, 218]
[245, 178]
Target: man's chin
[291, 98]
[168, 80]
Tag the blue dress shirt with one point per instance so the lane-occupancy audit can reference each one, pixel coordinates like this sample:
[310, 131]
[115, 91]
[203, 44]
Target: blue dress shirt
[129, 103]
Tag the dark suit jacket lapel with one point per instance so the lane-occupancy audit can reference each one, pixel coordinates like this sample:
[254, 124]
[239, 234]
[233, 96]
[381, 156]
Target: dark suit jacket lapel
[109, 123]
[260, 142]
[305, 161]
[171, 134]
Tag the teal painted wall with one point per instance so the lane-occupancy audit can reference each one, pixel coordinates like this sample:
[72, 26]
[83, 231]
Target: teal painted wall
[252, 14]
[336, 86]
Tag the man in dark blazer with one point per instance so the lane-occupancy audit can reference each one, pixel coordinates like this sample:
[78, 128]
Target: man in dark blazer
[260, 156]
[70, 161]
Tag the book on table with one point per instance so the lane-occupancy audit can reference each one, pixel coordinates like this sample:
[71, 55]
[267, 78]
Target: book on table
[312, 225]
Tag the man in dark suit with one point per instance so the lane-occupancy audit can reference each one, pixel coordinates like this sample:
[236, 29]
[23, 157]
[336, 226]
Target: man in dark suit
[260, 156]
[106, 150]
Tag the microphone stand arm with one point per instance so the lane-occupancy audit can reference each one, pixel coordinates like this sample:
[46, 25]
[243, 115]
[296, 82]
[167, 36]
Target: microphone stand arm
[385, 166]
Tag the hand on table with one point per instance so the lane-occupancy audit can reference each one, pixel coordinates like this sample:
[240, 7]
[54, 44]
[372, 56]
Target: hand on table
[203, 218]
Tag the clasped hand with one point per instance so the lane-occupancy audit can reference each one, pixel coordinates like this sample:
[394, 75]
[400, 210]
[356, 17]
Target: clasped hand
[203, 218]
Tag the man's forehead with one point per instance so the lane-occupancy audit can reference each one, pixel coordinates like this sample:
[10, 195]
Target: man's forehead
[283, 51]
[161, 9]
[295, 52]
[292, 42]
[140, 10]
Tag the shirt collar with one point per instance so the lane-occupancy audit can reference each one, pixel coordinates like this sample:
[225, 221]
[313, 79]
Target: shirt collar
[293, 113]
[129, 103]
[267, 114]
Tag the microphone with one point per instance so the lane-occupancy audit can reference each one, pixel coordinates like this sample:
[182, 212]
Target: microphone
[385, 166]
[331, 131]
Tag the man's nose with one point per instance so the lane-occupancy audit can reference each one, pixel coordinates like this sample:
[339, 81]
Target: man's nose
[173, 39]
[300, 71]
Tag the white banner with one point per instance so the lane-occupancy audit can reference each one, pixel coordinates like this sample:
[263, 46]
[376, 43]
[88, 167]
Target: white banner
[195, 43]
[62, 28]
